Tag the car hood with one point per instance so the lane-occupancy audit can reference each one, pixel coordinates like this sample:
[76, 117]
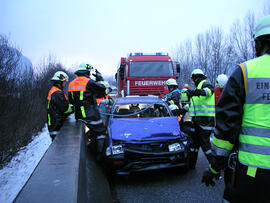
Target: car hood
[144, 129]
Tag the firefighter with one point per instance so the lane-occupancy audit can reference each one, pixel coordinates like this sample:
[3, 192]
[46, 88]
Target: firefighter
[174, 98]
[82, 93]
[107, 96]
[58, 106]
[242, 122]
[221, 82]
[105, 103]
[184, 96]
[202, 111]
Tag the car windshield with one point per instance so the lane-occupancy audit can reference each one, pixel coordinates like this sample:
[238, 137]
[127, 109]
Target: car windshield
[143, 110]
[150, 69]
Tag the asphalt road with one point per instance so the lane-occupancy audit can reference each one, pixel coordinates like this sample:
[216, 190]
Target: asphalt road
[172, 185]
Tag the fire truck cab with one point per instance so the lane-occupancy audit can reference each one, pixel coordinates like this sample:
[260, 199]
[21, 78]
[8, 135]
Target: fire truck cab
[145, 74]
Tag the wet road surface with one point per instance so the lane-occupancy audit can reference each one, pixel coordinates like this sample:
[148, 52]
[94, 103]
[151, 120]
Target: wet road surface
[172, 185]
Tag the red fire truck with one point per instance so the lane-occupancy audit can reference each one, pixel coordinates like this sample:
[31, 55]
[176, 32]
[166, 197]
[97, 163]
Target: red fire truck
[145, 74]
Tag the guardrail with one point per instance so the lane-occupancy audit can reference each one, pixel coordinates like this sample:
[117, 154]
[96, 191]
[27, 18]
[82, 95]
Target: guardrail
[67, 172]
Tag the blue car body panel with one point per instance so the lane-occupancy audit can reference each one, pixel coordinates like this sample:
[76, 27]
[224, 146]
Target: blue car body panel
[144, 129]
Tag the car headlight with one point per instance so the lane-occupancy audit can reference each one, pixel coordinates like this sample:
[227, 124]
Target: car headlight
[117, 149]
[174, 147]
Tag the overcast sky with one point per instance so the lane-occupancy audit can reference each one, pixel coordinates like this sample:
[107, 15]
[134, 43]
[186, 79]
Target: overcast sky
[101, 31]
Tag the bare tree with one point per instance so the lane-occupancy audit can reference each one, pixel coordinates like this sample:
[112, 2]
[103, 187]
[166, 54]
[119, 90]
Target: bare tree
[217, 47]
[202, 50]
[183, 55]
[242, 38]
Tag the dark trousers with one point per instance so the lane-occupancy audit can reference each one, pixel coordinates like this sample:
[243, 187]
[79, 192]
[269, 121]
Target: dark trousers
[200, 138]
[229, 181]
[97, 135]
[56, 125]
[251, 189]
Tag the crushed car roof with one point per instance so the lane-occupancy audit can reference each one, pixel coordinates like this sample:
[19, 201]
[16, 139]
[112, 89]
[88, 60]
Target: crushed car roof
[138, 99]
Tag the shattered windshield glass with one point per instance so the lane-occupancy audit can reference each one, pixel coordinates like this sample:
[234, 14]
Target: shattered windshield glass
[150, 68]
[157, 110]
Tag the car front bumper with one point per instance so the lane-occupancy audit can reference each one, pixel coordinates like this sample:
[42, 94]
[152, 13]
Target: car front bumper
[136, 161]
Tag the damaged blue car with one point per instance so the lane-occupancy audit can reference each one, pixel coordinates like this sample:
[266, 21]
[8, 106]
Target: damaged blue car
[144, 135]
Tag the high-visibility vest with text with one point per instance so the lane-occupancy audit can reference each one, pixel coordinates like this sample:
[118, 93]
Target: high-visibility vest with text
[254, 138]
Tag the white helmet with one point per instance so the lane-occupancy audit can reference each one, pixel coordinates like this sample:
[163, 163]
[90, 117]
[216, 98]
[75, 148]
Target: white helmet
[222, 80]
[173, 107]
[85, 66]
[171, 81]
[197, 72]
[262, 27]
[60, 76]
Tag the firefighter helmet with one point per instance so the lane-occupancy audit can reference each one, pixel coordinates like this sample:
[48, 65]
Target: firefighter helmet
[85, 66]
[60, 76]
[173, 107]
[262, 27]
[171, 81]
[197, 72]
[222, 80]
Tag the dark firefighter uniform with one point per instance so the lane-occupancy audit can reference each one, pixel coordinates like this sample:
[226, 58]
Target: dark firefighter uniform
[58, 106]
[244, 105]
[82, 93]
[202, 111]
[174, 98]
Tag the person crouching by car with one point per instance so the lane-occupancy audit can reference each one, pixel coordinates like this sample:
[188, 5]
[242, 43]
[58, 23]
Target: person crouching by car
[58, 106]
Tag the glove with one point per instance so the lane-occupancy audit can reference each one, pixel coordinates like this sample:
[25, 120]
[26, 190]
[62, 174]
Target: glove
[208, 177]
[98, 76]
[197, 92]
[190, 93]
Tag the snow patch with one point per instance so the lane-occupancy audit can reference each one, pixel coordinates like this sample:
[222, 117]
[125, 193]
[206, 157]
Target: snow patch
[14, 175]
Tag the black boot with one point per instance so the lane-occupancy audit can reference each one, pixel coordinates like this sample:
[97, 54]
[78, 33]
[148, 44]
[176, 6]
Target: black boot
[193, 159]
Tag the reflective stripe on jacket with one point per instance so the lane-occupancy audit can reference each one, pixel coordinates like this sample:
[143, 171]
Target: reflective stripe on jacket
[202, 105]
[254, 138]
[53, 90]
[78, 86]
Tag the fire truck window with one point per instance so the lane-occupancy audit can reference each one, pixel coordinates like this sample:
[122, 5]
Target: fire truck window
[150, 68]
